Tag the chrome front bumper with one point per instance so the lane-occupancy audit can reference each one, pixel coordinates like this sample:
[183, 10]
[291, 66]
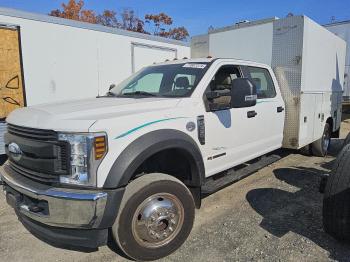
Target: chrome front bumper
[68, 208]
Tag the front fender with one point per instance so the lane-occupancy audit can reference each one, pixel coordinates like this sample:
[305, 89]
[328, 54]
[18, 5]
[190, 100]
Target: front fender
[147, 145]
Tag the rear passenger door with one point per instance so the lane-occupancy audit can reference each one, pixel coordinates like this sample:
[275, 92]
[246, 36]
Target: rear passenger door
[269, 109]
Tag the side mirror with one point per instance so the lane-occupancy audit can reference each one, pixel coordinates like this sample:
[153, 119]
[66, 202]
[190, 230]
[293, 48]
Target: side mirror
[243, 93]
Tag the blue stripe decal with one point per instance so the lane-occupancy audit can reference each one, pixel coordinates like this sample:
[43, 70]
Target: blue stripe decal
[147, 124]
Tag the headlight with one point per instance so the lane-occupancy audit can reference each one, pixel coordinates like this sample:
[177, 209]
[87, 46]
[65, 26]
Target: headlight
[86, 153]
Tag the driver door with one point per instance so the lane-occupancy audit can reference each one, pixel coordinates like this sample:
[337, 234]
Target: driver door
[231, 134]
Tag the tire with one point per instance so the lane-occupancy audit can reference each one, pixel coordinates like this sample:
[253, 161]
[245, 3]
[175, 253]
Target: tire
[336, 201]
[136, 231]
[346, 140]
[321, 146]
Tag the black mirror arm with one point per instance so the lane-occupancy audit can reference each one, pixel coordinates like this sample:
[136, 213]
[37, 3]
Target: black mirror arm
[215, 94]
[211, 95]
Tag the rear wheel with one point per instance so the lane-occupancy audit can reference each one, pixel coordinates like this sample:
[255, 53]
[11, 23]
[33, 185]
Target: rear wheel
[155, 217]
[336, 202]
[321, 146]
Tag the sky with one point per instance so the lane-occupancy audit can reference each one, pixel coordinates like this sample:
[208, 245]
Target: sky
[197, 16]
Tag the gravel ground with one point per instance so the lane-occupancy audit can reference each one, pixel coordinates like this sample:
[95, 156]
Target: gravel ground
[273, 215]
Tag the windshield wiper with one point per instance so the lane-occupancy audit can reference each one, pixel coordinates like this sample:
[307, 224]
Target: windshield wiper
[141, 93]
[108, 94]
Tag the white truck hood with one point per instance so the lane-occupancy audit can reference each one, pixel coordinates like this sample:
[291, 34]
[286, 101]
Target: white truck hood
[79, 115]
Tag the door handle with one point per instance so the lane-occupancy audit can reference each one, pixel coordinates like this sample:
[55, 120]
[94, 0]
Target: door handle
[251, 114]
[280, 109]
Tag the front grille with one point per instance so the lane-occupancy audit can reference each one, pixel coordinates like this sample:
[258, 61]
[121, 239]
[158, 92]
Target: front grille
[46, 178]
[32, 133]
[44, 158]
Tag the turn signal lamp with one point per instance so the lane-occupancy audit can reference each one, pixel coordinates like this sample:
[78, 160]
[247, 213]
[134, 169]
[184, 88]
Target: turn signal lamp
[100, 147]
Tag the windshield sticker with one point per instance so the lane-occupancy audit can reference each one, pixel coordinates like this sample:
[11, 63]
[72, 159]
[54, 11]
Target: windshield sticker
[199, 66]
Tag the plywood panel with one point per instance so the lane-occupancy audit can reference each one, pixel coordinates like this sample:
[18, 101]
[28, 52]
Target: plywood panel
[11, 83]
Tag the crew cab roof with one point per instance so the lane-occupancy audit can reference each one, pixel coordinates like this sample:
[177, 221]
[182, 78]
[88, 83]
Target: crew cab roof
[212, 60]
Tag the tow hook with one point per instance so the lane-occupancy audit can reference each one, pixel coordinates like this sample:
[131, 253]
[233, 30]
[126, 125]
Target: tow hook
[323, 183]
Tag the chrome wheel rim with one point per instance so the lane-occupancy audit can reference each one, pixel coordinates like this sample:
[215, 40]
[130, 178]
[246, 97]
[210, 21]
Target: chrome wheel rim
[157, 220]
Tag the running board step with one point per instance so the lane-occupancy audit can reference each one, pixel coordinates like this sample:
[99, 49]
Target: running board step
[232, 175]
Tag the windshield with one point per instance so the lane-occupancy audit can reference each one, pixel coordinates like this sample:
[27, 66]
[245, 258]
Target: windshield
[174, 80]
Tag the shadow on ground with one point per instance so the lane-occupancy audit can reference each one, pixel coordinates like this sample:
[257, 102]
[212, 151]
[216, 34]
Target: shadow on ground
[3, 159]
[300, 211]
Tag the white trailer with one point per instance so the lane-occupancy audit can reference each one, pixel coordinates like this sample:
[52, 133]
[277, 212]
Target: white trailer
[307, 59]
[342, 29]
[45, 59]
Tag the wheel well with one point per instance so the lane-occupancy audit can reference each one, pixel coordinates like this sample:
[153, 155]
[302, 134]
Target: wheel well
[173, 161]
[176, 162]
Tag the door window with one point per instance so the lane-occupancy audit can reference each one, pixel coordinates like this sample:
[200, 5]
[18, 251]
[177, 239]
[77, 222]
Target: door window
[223, 78]
[263, 82]
[222, 82]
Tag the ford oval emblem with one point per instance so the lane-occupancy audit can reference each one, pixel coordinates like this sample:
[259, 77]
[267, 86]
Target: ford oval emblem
[15, 151]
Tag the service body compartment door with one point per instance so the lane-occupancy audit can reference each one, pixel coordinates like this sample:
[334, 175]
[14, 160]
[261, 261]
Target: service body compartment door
[144, 55]
[319, 116]
[308, 112]
[11, 82]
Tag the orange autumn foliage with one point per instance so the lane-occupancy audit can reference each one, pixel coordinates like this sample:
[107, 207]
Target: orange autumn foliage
[159, 24]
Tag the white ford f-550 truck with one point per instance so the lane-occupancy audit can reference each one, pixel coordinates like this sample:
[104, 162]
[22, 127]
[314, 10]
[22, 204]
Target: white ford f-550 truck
[133, 164]
[136, 159]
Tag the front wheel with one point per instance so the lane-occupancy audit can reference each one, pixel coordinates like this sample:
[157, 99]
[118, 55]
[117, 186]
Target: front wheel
[321, 146]
[155, 217]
